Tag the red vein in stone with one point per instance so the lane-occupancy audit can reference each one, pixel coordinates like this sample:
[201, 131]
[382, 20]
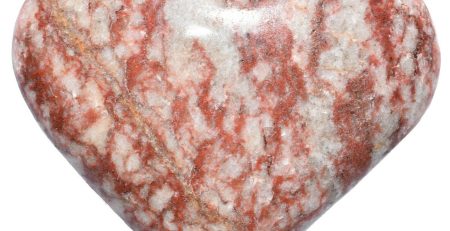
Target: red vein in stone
[381, 15]
[355, 129]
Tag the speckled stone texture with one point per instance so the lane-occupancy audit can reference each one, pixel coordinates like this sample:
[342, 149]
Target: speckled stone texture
[225, 114]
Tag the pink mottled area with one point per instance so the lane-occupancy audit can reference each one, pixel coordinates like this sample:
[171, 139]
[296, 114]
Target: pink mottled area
[225, 114]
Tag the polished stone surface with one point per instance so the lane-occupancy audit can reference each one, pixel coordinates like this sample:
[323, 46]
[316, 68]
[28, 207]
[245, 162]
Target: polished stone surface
[225, 114]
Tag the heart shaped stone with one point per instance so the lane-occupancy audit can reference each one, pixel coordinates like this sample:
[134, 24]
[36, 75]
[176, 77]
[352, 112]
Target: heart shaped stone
[225, 114]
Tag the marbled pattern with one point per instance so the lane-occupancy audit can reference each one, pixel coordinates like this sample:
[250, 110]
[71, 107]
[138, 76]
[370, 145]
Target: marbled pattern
[225, 114]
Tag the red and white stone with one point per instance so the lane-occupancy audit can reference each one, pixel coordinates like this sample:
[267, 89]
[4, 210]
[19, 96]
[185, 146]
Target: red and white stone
[225, 114]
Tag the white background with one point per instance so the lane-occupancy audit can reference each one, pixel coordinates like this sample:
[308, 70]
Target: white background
[39, 190]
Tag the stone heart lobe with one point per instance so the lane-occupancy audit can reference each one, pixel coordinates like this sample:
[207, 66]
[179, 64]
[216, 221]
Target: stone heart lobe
[225, 114]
